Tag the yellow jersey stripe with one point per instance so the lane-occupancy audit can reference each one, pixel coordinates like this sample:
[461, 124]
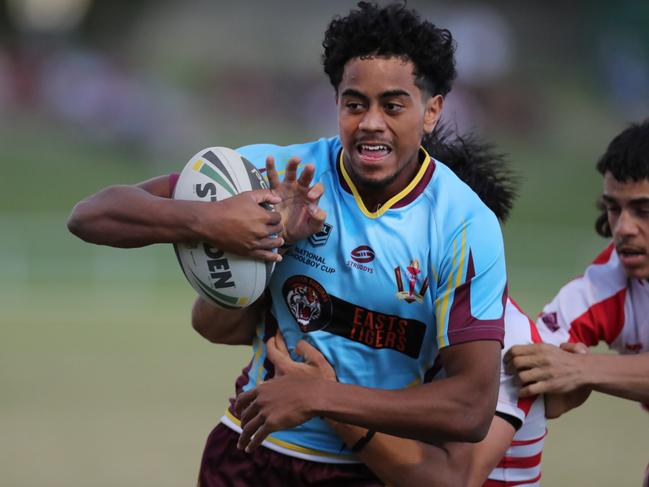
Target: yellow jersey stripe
[290, 446]
[392, 201]
[443, 324]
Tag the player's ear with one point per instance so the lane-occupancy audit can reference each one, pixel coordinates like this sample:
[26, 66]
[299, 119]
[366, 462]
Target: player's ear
[433, 110]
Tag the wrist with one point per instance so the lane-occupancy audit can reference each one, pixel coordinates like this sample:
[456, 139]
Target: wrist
[195, 226]
[362, 441]
[322, 396]
[586, 368]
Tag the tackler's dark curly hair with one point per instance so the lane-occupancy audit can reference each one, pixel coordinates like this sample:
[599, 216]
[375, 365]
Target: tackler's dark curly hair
[392, 30]
[476, 162]
[627, 159]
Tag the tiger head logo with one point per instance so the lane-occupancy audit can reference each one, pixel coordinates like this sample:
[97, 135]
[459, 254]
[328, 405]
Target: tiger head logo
[304, 305]
[308, 302]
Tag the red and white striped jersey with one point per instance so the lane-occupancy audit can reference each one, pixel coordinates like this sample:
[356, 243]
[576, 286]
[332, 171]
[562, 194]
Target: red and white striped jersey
[521, 464]
[602, 305]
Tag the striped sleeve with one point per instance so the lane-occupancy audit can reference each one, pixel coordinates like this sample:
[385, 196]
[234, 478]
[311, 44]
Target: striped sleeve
[590, 308]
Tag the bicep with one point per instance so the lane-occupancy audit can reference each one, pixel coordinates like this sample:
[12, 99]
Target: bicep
[477, 363]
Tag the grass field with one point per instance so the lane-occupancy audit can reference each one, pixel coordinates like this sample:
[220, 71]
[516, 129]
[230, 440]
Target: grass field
[103, 382]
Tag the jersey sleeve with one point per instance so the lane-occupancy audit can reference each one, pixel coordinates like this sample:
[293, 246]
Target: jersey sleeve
[472, 284]
[173, 181]
[317, 152]
[590, 308]
[519, 330]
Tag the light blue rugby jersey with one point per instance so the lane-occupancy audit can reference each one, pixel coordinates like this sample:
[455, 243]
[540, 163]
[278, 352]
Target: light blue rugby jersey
[380, 293]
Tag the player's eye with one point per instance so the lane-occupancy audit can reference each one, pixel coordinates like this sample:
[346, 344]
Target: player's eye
[393, 107]
[642, 212]
[611, 207]
[354, 106]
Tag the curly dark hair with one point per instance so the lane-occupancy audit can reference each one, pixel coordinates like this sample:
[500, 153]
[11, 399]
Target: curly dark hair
[392, 30]
[627, 159]
[476, 162]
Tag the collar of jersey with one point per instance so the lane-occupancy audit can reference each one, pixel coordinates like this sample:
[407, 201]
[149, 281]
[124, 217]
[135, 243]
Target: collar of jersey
[392, 201]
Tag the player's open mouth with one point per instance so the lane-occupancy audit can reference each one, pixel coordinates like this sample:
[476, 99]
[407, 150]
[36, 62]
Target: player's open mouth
[631, 256]
[373, 151]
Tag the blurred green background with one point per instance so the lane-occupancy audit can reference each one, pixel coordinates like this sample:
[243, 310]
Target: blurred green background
[102, 380]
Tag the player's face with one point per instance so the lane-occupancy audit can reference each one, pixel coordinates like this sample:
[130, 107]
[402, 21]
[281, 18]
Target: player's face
[627, 206]
[382, 116]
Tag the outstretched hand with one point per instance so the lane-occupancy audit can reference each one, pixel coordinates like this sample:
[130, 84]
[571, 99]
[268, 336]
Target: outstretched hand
[542, 368]
[301, 216]
[287, 400]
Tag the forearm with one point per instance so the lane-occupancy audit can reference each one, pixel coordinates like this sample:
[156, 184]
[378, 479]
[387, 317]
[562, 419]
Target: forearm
[441, 411]
[229, 327]
[457, 408]
[624, 376]
[128, 216]
[401, 462]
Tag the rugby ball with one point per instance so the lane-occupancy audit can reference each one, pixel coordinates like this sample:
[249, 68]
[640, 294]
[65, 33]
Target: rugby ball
[223, 278]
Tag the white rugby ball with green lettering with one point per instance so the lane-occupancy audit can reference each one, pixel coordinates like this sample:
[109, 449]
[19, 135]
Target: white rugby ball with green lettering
[225, 279]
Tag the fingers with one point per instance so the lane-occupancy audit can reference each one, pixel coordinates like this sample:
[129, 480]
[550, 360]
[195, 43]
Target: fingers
[304, 349]
[269, 243]
[522, 363]
[306, 176]
[258, 437]
[275, 222]
[271, 173]
[290, 175]
[518, 350]
[243, 400]
[278, 354]
[315, 193]
[281, 344]
[533, 375]
[266, 255]
[532, 390]
[265, 196]
[314, 357]
[254, 427]
[574, 347]
[248, 429]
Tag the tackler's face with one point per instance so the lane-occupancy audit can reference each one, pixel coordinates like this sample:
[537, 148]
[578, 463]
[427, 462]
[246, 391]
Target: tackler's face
[627, 208]
[382, 116]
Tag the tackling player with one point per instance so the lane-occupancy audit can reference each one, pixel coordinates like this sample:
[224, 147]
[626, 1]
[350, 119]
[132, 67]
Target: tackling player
[609, 303]
[379, 189]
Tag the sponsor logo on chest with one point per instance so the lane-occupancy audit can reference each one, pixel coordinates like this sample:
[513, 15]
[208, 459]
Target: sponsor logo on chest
[361, 256]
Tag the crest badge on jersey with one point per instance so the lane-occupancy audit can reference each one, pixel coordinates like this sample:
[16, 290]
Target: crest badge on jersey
[551, 321]
[320, 238]
[413, 275]
[308, 302]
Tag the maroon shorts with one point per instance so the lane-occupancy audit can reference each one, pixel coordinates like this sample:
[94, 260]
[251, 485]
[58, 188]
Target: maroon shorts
[224, 465]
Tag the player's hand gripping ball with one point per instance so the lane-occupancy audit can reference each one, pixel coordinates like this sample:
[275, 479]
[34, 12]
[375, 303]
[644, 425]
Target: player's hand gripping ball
[223, 278]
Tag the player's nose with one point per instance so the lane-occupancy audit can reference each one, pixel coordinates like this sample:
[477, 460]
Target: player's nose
[372, 121]
[625, 226]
